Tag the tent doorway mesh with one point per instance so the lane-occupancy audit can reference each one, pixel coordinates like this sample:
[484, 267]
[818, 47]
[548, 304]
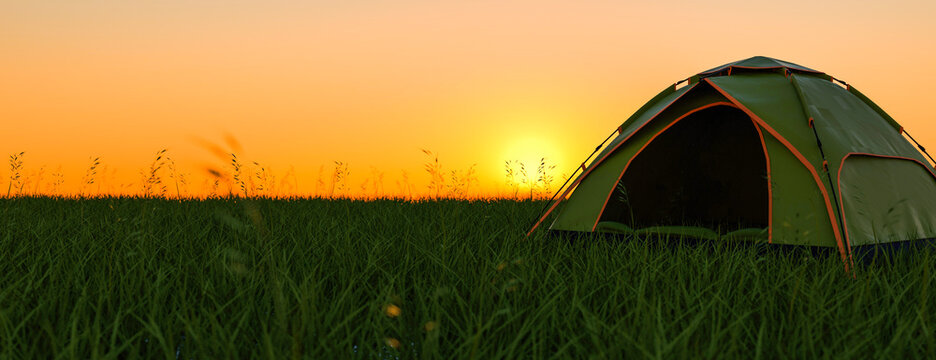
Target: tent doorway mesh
[708, 170]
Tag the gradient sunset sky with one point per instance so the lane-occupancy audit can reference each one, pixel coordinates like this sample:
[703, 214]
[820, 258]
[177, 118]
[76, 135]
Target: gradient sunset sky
[302, 84]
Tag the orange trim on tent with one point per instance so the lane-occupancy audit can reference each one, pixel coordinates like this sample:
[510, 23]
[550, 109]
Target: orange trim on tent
[599, 161]
[683, 116]
[769, 187]
[802, 159]
[838, 181]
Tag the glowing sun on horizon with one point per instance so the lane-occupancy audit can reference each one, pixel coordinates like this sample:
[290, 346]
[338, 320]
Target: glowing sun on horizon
[529, 150]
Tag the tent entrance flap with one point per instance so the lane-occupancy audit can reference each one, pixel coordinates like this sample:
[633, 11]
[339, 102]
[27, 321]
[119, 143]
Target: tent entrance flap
[709, 170]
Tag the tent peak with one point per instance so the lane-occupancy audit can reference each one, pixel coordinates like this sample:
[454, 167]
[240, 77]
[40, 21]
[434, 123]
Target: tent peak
[760, 62]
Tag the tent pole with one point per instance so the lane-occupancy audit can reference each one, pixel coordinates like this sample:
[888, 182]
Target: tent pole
[580, 167]
[825, 162]
[923, 149]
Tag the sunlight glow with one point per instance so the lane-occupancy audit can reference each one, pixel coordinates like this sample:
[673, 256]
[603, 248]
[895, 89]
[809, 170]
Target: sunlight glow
[531, 149]
[338, 100]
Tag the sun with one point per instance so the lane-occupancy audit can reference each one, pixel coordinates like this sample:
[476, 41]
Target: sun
[531, 150]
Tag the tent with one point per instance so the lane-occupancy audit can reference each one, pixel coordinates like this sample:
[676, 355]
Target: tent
[758, 149]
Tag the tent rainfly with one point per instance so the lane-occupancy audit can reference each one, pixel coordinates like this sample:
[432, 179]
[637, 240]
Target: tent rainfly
[758, 149]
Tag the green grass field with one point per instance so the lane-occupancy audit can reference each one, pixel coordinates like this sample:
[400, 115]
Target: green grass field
[329, 279]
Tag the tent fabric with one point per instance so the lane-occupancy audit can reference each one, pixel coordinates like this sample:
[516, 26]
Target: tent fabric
[778, 149]
[897, 213]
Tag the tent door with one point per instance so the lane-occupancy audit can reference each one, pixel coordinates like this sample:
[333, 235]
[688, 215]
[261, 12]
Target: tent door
[708, 169]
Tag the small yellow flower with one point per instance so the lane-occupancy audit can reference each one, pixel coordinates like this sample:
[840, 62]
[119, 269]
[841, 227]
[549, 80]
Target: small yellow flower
[431, 325]
[392, 310]
[394, 343]
[501, 266]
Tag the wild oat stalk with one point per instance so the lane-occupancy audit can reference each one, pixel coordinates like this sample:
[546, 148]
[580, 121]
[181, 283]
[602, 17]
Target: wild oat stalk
[455, 186]
[525, 179]
[16, 165]
[88, 178]
[469, 178]
[263, 180]
[514, 177]
[436, 175]
[544, 176]
[339, 179]
[178, 179]
[57, 180]
[152, 182]
[238, 176]
[213, 187]
[461, 183]
[258, 179]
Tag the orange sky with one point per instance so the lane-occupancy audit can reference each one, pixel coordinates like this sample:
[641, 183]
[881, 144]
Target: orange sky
[371, 83]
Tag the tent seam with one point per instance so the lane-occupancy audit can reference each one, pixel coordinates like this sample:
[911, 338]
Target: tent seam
[799, 156]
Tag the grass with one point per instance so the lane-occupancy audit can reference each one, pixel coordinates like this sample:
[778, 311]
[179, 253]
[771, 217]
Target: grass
[252, 179]
[236, 278]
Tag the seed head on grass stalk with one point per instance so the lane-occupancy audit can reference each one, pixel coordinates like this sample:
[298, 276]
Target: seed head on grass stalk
[461, 183]
[152, 181]
[214, 183]
[16, 166]
[269, 181]
[510, 176]
[216, 178]
[339, 179]
[88, 178]
[178, 178]
[525, 179]
[238, 175]
[517, 176]
[544, 176]
[58, 179]
[469, 178]
[260, 180]
[436, 175]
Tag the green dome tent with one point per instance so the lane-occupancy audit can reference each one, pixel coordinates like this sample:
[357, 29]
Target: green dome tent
[758, 148]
